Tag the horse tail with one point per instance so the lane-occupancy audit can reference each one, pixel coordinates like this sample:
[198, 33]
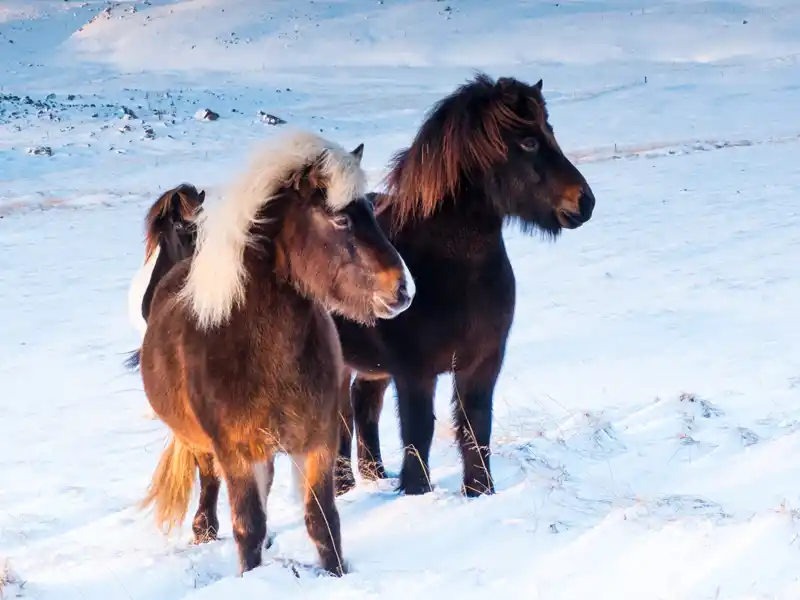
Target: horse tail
[134, 360]
[171, 487]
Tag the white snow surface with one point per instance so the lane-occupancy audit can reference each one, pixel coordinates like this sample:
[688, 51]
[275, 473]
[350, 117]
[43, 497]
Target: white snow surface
[647, 422]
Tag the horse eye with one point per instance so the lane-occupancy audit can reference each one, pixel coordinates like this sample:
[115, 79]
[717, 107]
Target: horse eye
[342, 222]
[530, 144]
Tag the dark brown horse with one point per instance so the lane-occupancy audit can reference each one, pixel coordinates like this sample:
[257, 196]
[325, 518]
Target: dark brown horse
[169, 238]
[241, 358]
[484, 155]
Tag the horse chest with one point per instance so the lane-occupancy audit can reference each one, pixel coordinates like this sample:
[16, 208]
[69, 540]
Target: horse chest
[469, 310]
[463, 306]
[321, 359]
[456, 312]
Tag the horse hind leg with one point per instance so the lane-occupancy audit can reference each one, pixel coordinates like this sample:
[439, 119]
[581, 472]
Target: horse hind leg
[205, 524]
[321, 515]
[367, 398]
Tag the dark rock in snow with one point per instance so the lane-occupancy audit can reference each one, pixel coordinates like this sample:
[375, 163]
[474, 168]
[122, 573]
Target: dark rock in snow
[40, 151]
[270, 119]
[206, 115]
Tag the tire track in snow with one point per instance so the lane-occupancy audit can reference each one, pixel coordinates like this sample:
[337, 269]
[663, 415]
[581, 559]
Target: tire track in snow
[588, 95]
[654, 150]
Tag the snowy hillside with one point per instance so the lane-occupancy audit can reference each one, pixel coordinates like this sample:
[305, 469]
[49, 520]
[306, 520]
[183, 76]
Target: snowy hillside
[647, 425]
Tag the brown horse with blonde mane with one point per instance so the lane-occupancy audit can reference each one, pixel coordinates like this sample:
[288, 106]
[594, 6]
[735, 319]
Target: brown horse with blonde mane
[486, 154]
[241, 359]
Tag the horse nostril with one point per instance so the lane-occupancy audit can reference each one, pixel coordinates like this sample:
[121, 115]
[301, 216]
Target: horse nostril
[406, 288]
[586, 204]
[402, 291]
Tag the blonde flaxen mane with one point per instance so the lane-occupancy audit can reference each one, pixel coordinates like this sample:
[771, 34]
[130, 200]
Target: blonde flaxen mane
[217, 278]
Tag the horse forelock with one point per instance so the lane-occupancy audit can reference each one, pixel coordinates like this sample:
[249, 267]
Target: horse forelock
[189, 201]
[462, 137]
[217, 278]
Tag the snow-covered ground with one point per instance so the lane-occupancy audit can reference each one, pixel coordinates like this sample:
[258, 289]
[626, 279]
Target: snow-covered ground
[647, 429]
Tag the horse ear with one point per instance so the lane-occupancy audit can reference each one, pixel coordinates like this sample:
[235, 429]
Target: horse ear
[538, 86]
[201, 196]
[358, 152]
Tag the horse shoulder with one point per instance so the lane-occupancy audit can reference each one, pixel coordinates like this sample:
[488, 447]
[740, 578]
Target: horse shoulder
[317, 354]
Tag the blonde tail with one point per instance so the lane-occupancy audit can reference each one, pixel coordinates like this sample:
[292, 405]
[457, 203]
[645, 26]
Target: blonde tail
[170, 489]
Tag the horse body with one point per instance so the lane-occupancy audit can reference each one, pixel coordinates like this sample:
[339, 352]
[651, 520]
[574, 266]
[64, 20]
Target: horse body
[304, 360]
[459, 323]
[233, 421]
[241, 358]
[485, 155]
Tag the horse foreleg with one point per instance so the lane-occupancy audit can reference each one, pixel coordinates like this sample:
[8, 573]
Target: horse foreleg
[367, 397]
[265, 474]
[205, 524]
[472, 407]
[247, 513]
[415, 404]
[321, 515]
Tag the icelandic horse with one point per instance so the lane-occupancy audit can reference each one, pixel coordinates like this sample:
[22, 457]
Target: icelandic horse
[241, 359]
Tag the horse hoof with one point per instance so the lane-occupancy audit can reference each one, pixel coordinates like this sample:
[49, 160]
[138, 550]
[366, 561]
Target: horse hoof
[269, 541]
[475, 491]
[479, 485]
[204, 538]
[414, 488]
[372, 471]
[344, 485]
[338, 569]
[344, 480]
[204, 532]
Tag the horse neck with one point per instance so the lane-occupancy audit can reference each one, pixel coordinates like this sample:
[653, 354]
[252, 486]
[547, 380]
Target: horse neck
[268, 292]
[173, 248]
[465, 228]
[164, 261]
